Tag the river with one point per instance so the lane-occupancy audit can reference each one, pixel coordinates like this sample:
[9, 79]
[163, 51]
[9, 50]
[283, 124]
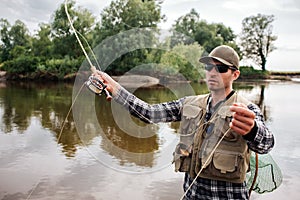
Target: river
[103, 153]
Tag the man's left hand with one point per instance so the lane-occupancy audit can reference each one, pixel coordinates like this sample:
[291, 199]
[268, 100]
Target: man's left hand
[243, 119]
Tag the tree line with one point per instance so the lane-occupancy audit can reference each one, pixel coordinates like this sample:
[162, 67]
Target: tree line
[53, 49]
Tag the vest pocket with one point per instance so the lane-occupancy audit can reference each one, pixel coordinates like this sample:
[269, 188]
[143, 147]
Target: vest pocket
[226, 165]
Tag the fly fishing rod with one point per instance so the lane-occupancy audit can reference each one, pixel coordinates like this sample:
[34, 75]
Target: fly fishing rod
[94, 84]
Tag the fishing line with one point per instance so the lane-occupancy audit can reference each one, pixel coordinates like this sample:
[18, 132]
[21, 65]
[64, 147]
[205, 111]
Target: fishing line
[75, 33]
[92, 52]
[59, 136]
[64, 122]
[206, 162]
[213, 150]
[214, 117]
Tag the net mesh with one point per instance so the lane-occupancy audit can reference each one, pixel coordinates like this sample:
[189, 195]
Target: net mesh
[269, 175]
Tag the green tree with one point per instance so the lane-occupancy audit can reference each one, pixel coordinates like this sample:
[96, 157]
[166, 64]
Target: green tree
[257, 39]
[188, 24]
[16, 40]
[6, 45]
[64, 40]
[19, 35]
[124, 15]
[67, 55]
[41, 42]
[207, 35]
[189, 64]
[16, 48]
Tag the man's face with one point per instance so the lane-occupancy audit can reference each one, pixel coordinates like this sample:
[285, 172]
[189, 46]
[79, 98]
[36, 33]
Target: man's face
[220, 81]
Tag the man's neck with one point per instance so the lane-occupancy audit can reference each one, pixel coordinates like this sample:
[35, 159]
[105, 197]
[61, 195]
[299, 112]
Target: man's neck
[218, 96]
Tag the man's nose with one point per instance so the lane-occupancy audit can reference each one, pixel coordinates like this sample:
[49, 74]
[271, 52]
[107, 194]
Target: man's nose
[213, 71]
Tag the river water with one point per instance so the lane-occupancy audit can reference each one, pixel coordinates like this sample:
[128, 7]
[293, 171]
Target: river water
[103, 153]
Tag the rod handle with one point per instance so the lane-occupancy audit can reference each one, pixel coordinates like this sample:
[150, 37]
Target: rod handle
[106, 92]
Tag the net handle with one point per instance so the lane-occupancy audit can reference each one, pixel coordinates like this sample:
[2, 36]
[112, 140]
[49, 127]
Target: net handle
[255, 174]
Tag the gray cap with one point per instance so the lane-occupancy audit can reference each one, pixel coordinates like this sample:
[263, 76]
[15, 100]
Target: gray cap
[225, 54]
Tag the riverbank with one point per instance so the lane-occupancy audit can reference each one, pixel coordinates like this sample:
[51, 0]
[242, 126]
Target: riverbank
[2, 75]
[269, 76]
[134, 80]
[289, 76]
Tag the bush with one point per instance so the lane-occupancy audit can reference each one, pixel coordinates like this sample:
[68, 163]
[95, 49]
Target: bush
[251, 73]
[22, 64]
[181, 60]
[62, 67]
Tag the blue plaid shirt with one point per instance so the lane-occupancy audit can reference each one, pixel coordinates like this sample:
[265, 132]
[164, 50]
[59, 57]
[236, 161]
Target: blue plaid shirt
[259, 140]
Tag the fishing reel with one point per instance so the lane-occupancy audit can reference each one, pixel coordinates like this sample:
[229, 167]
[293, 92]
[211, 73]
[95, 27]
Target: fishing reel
[96, 86]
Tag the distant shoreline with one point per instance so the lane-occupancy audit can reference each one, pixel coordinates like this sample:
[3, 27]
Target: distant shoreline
[141, 80]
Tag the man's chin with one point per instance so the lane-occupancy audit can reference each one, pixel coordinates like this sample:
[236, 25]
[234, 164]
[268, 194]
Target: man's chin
[215, 88]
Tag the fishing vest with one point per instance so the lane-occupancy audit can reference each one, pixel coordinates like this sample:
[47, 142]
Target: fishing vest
[230, 160]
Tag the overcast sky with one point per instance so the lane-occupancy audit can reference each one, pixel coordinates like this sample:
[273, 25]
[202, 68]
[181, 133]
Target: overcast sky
[229, 12]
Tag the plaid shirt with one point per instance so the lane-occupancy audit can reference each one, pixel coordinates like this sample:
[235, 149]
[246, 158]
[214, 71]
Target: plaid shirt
[259, 140]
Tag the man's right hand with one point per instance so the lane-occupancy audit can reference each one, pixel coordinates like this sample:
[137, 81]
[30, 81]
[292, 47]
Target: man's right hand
[112, 86]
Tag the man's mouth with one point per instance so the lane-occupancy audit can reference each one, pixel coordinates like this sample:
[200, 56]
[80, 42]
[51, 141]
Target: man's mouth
[212, 81]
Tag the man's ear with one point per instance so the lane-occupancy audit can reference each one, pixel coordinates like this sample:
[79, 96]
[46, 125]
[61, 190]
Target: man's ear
[236, 74]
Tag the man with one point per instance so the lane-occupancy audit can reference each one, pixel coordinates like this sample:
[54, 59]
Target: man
[218, 130]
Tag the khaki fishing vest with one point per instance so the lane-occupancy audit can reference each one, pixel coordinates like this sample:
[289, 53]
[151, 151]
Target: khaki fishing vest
[230, 161]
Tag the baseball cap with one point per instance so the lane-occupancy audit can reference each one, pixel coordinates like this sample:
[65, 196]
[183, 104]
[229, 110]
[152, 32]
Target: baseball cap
[224, 54]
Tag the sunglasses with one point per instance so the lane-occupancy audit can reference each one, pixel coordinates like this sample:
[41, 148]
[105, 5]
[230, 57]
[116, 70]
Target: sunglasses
[219, 68]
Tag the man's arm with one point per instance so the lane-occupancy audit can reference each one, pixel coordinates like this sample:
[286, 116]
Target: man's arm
[149, 113]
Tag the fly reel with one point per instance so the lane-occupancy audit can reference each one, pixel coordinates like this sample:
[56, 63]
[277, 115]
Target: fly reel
[96, 86]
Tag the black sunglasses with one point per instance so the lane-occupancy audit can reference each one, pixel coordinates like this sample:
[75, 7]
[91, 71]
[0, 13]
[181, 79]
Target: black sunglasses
[219, 68]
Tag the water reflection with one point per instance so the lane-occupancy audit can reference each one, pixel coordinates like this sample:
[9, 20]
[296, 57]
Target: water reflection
[50, 103]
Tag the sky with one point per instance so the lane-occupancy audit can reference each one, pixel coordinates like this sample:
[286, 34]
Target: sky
[229, 12]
